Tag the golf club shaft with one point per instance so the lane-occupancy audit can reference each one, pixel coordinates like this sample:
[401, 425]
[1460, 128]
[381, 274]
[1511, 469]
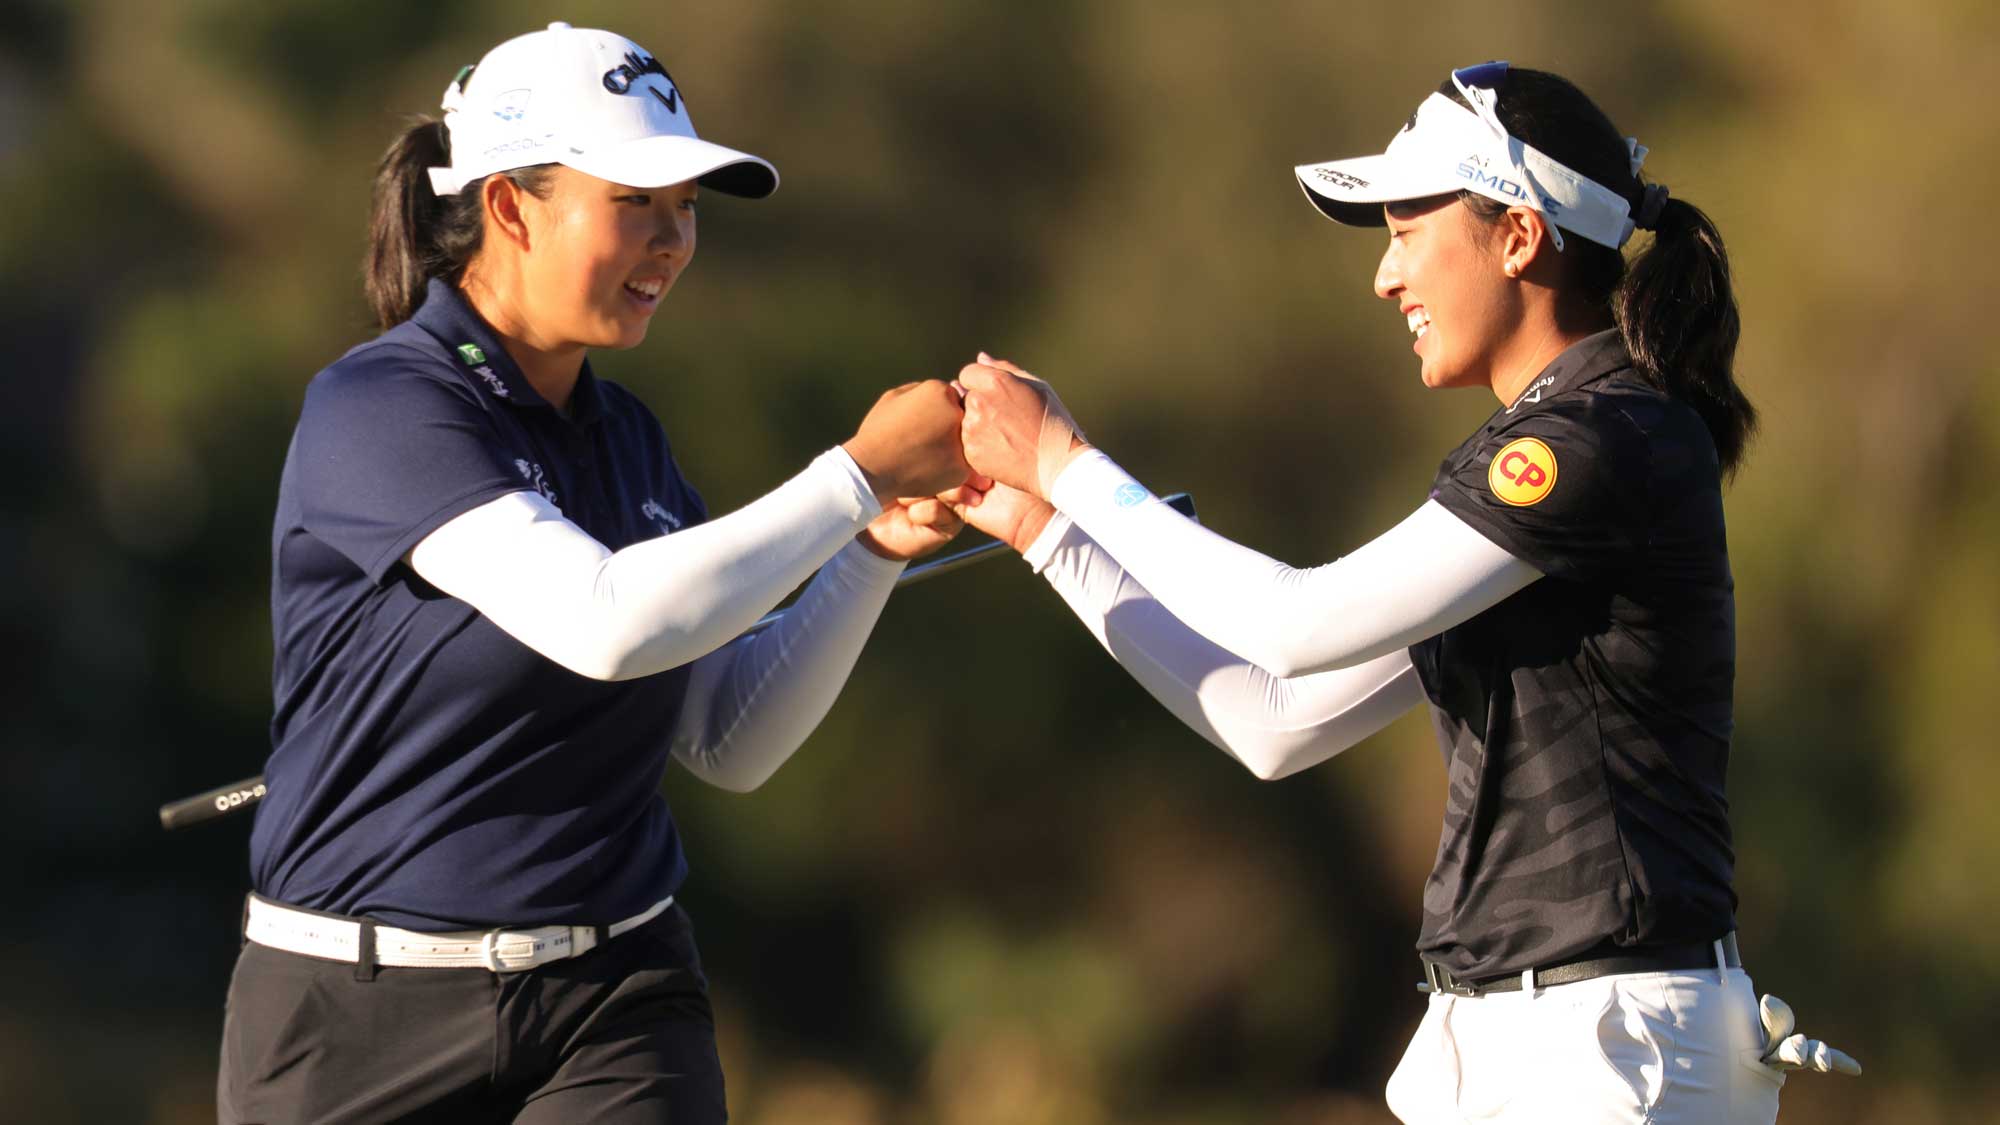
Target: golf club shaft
[244, 795]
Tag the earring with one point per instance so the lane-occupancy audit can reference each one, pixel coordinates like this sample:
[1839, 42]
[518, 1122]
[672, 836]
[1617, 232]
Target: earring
[1510, 269]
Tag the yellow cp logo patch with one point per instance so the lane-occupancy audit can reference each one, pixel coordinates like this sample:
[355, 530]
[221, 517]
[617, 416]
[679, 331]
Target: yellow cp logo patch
[1522, 472]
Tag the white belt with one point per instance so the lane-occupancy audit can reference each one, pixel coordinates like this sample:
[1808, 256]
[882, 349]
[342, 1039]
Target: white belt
[503, 951]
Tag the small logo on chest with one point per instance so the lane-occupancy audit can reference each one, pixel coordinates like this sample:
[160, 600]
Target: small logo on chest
[666, 521]
[475, 358]
[1533, 393]
[532, 473]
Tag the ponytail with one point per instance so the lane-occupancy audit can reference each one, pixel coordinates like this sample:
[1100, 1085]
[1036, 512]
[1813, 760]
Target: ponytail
[1673, 304]
[413, 233]
[408, 222]
[1677, 313]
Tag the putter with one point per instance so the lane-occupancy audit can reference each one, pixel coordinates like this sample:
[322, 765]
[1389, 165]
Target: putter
[230, 799]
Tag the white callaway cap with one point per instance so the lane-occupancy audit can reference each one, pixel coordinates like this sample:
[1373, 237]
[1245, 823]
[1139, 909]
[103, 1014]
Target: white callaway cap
[592, 100]
[1446, 148]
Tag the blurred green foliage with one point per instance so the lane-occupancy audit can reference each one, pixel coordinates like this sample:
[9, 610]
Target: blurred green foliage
[1000, 885]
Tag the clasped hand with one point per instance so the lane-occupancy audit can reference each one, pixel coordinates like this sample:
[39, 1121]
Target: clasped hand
[908, 448]
[984, 449]
[1016, 430]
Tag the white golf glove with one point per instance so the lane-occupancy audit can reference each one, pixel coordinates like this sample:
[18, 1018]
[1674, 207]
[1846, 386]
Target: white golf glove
[1784, 1050]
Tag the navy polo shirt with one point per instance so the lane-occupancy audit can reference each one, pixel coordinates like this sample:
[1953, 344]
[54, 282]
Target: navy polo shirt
[427, 770]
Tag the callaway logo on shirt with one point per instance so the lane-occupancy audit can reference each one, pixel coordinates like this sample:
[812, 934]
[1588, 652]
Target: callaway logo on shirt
[532, 473]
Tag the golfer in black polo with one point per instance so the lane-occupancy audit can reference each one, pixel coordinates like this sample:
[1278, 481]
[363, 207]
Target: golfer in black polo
[499, 608]
[1562, 601]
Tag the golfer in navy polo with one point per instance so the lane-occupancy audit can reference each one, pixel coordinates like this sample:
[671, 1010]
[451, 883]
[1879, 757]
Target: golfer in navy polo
[499, 609]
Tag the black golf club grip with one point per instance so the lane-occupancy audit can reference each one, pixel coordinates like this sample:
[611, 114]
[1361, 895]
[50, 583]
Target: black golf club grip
[212, 804]
[244, 795]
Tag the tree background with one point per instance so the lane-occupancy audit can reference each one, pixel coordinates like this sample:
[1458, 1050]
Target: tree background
[1000, 885]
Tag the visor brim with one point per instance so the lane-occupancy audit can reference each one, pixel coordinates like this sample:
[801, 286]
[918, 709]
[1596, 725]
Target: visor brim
[1352, 192]
[661, 161]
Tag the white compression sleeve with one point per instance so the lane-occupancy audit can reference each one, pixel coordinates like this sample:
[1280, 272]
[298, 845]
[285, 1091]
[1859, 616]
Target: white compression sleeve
[1274, 726]
[653, 605]
[751, 703]
[1425, 575]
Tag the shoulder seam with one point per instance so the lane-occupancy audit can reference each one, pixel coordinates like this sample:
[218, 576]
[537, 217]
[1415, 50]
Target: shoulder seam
[1646, 440]
[434, 366]
[380, 343]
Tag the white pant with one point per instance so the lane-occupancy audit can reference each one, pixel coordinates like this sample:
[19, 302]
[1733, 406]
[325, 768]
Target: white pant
[1644, 1048]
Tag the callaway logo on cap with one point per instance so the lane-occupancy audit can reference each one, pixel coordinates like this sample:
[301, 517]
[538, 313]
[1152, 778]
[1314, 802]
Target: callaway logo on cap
[1446, 148]
[593, 100]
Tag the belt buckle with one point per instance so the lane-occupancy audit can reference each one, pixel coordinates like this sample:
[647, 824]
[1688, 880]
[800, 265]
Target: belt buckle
[490, 955]
[489, 951]
[1438, 979]
[545, 944]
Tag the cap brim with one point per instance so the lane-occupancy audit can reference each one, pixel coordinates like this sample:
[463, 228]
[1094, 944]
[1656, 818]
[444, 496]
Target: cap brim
[1353, 191]
[659, 161]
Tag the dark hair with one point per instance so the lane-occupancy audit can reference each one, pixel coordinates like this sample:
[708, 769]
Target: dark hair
[1674, 306]
[414, 234]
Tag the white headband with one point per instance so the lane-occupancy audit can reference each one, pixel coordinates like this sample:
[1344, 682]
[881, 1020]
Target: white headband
[1446, 147]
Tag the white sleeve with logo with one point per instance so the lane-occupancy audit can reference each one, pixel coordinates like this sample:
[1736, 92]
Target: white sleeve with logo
[654, 605]
[1274, 725]
[1421, 577]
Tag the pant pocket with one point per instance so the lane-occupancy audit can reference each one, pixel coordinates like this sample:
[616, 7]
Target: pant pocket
[1599, 1059]
[1420, 1091]
[1753, 1061]
[272, 1020]
[1746, 1030]
[1635, 1037]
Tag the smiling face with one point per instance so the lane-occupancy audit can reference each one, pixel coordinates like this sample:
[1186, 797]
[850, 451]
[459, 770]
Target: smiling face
[600, 257]
[1443, 269]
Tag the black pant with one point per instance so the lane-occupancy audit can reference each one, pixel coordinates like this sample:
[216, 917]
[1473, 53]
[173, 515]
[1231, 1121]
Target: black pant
[621, 1034]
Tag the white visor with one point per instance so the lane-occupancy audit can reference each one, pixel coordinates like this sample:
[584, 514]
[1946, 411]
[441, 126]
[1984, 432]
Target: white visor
[592, 100]
[1446, 148]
